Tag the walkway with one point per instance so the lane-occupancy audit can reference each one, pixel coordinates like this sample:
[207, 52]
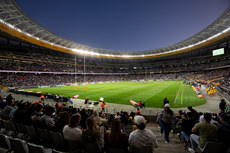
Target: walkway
[212, 104]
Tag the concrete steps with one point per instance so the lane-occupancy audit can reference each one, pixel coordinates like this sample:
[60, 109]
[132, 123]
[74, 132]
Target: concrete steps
[173, 147]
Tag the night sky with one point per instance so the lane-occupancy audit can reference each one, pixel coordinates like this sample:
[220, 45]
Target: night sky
[125, 25]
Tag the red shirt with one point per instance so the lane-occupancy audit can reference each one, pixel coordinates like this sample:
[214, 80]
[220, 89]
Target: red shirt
[102, 105]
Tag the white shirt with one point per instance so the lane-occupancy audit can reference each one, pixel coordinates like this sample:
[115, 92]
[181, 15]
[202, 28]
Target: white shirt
[141, 138]
[72, 133]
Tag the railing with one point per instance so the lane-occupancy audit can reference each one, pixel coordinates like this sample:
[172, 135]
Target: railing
[224, 93]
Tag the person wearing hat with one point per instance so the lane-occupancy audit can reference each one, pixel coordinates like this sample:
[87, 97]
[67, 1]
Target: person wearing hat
[140, 103]
[165, 118]
[142, 137]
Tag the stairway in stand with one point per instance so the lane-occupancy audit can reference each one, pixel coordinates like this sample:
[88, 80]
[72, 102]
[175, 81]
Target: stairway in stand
[175, 146]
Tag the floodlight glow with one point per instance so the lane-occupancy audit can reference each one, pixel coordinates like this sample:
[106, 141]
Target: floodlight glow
[226, 30]
[92, 53]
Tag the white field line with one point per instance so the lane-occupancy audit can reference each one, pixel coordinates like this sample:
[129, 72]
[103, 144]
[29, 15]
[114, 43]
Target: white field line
[178, 93]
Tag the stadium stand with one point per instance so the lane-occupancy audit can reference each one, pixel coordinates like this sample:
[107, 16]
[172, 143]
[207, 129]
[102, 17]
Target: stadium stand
[26, 64]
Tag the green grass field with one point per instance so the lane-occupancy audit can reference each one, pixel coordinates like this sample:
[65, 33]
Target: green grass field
[152, 93]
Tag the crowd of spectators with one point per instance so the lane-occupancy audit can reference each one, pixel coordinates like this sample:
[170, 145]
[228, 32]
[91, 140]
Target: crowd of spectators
[81, 125]
[196, 128]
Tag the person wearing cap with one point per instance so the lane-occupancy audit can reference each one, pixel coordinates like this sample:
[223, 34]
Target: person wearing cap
[165, 118]
[140, 103]
[165, 101]
[142, 137]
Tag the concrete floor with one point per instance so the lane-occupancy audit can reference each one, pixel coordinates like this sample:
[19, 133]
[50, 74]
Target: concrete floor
[211, 105]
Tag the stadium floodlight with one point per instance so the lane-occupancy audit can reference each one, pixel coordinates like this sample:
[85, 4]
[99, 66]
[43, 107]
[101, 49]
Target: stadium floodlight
[226, 30]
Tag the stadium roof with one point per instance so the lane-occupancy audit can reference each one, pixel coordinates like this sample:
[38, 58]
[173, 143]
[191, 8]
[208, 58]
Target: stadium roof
[15, 22]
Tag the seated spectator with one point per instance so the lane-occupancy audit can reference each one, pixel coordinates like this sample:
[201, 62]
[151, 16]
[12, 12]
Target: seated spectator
[224, 131]
[46, 121]
[20, 114]
[117, 115]
[61, 122]
[14, 109]
[115, 138]
[195, 112]
[207, 132]
[91, 134]
[187, 125]
[36, 115]
[97, 117]
[142, 137]
[71, 131]
[84, 116]
[8, 108]
[178, 116]
[124, 118]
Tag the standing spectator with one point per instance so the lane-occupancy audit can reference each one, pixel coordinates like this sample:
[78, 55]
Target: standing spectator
[165, 101]
[103, 106]
[207, 132]
[140, 103]
[165, 118]
[71, 131]
[9, 98]
[222, 105]
[42, 98]
[142, 137]
[115, 138]
[138, 111]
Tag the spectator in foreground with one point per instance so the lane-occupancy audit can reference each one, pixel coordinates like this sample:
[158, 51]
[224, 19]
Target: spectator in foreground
[47, 121]
[165, 118]
[8, 108]
[142, 137]
[84, 116]
[187, 125]
[197, 116]
[91, 134]
[115, 138]
[71, 131]
[224, 131]
[97, 117]
[61, 122]
[207, 132]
